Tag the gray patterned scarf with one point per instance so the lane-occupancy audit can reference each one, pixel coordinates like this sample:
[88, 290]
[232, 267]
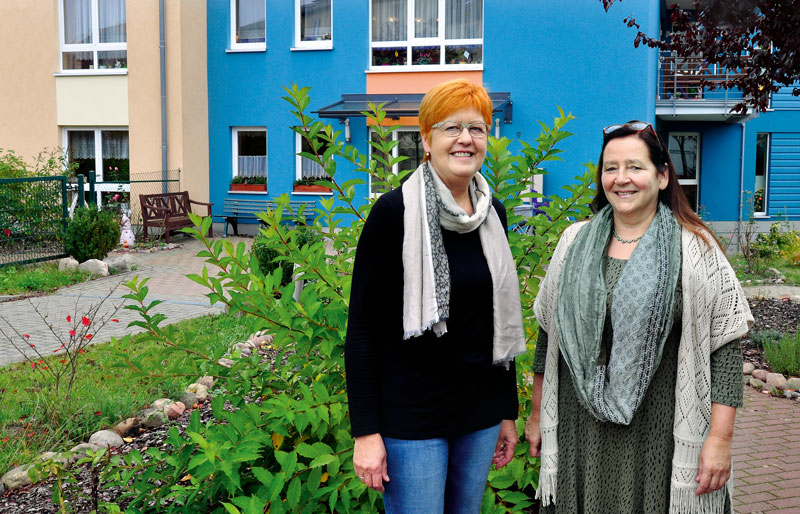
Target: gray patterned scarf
[641, 314]
[429, 206]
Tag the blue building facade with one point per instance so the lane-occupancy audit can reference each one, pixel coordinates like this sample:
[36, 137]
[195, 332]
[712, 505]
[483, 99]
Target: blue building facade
[543, 54]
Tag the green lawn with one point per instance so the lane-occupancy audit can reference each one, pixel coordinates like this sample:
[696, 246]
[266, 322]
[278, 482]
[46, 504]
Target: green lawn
[37, 278]
[33, 421]
[791, 272]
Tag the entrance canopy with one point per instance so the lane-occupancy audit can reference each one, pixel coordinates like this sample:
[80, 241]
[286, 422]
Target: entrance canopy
[354, 106]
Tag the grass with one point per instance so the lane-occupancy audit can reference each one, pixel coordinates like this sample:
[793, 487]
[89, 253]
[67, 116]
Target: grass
[32, 421]
[37, 278]
[790, 271]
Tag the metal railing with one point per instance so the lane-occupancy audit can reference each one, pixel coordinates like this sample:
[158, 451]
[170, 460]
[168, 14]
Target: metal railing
[689, 79]
[33, 218]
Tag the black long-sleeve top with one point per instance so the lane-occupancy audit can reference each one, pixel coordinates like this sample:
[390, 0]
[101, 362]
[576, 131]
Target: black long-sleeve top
[426, 386]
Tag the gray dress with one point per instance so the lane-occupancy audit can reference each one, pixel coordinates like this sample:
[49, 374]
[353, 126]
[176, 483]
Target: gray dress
[609, 468]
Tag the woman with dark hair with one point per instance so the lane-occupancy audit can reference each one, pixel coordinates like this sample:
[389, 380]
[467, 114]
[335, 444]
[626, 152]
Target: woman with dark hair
[637, 372]
[435, 322]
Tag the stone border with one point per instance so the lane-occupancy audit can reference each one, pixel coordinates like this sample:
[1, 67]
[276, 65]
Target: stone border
[154, 415]
[774, 384]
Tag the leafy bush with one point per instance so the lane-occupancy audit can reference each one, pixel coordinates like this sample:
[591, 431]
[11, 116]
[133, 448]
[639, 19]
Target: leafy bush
[776, 241]
[268, 256]
[281, 440]
[91, 234]
[784, 355]
[791, 251]
[761, 338]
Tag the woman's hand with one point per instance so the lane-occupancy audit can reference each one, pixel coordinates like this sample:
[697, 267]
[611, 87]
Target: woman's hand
[534, 435]
[369, 461]
[715, 464]
[506, 443]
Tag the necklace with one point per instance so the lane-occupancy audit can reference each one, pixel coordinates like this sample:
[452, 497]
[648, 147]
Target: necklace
[625, 241]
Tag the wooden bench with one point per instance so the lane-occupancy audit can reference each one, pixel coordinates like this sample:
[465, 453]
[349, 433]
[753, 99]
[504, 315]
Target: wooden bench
[235, 209]
[169, 211]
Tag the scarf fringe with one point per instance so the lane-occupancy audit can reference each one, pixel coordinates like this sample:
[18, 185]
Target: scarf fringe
[546, 492]
[683, 500]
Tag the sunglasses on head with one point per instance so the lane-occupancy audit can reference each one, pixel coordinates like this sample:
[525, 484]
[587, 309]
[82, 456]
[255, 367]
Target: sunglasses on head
[636, 125]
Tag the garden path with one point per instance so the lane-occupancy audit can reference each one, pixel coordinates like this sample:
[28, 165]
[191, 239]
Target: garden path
[167, 270]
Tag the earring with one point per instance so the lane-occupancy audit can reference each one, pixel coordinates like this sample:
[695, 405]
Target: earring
[427, 155]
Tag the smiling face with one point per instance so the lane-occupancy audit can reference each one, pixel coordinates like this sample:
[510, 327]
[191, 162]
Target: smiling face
[631, 181]
[456, 159]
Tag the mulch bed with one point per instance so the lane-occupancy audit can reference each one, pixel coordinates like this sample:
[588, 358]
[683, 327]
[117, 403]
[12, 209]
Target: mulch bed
[782, 315]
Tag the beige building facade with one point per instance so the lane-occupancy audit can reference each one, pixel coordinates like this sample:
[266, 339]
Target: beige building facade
[88, 81]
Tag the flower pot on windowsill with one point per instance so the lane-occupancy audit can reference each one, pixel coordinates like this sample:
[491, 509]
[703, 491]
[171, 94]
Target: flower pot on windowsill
[310, 188]
[248, 187]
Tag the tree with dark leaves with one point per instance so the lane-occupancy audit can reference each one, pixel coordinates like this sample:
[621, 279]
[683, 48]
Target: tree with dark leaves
[757, 40]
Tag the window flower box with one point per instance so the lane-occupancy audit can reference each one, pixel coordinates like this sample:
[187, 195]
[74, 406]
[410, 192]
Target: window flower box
[309, 185]
[249, 184]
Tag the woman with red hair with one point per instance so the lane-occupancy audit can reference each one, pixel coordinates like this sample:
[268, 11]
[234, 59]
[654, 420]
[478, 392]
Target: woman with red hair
[435, 322]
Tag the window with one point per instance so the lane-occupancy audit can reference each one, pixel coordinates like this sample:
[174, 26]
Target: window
[426, 34]
[248, 24]
[249, 152]
[104, 151]
[762, 174]
[313, 24]
[306, 168]
[93, 35]
[684, 149]
[409, 144]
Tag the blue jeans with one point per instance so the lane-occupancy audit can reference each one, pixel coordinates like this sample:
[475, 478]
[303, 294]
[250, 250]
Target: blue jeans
[432, 476]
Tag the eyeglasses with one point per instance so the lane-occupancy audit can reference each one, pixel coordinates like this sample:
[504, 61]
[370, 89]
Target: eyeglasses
[477, 130]
[636, 125]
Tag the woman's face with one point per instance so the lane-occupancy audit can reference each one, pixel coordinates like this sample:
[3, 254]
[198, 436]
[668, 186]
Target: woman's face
[456, 159]
[631, 181]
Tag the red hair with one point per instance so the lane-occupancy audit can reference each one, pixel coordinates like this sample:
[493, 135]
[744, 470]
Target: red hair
[449, 97]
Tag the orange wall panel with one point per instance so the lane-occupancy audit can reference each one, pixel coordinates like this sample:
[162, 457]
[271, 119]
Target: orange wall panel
[421, 82]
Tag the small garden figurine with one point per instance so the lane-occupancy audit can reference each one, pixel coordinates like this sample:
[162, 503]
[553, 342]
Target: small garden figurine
[126, 238]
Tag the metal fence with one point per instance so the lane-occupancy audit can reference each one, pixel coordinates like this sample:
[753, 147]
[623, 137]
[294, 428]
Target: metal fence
[140, 183]
[33, 217]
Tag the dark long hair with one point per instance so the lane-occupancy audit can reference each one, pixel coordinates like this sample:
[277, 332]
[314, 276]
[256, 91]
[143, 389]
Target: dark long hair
[672, 196]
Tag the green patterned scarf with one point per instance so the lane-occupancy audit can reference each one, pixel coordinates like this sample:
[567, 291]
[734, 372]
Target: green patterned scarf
[641, 314]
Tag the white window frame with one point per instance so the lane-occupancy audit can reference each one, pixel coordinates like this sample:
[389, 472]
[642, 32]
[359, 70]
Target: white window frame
[235, 148]
[100, 186]
[94, 47]
[428, 41]
[246, 47]
[690, 181]
[309, 45]
[298, 167]
[763, 213]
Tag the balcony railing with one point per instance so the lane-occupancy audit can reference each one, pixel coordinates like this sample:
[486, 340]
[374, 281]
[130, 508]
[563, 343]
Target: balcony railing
[680, 83]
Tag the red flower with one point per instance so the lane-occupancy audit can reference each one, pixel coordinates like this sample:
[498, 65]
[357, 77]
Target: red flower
[33, 365]
[5, 439]
[72, 333]
[115, 320]
[62, 361]
[88, 336]
[69, 319]
[85, 321]
[32, 345]
[7, 232]
[98, 413]
[26, 335]
[56, 350]
[82, 352]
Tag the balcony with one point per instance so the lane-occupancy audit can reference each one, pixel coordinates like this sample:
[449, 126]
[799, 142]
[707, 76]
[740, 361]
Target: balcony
[681, 95]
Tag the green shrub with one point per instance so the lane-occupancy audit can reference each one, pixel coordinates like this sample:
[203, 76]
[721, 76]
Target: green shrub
[91, 234]
[267, 254]
[280, 440]
[776, 241]
[791, 251]
[761, 338]
[783, 356]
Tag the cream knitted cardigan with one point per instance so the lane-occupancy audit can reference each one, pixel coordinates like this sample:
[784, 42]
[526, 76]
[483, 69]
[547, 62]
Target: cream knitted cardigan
[715, 311]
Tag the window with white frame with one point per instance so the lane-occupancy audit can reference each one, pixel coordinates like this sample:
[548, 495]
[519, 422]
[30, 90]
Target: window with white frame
[684, 149]
[104, 151]
[93, 35]
[248, 24]
[249, 151]
[313, 24]
[762, 174]
[426, 34]
[409, 145]
[305, 167]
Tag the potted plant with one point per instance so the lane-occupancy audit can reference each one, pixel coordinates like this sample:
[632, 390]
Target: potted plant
[309, 185]
[249, 184]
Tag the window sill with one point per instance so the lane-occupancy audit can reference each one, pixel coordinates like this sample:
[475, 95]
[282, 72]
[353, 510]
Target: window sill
[311, 193]
[245, 50]
[418, 69]
[311, 48]
[761, 215]
[85, 73]
[247, 192]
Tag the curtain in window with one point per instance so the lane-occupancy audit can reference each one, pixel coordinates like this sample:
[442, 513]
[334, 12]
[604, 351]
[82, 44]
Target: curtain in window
[77, 22]
[115, 144]
[250, 22]
[252, 165]
[80, 144]
[111, 14]
[315, 20]
[464, 19]
[311, 169]
[389, 20]
[426, 13]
